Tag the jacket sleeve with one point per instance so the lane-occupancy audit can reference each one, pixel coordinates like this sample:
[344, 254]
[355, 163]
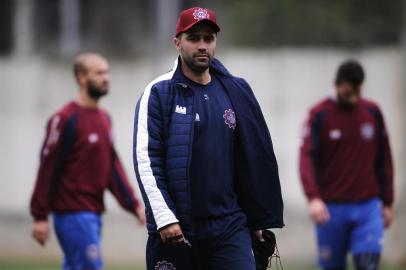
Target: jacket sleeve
[149, 159]
[50, 162]
[120, 186]
[308, 156]
[258, 184]
[384, 164]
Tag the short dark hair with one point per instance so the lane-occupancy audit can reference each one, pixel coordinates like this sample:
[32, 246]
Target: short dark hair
[350, 71]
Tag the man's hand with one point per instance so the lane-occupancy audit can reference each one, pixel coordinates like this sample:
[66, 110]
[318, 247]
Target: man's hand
[172, 234]
[263, 247]
[318, 211]
[40, 231]
[387, 214]
[140, 214]
[259, 236]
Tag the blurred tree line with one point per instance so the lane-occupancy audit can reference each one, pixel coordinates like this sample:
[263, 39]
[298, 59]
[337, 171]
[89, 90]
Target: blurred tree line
[129, 27]
[348, 23]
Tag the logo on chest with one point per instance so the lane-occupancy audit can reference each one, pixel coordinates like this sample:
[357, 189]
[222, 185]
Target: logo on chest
[93, 137]
[229, 118]
[367, 131]
[335, 134]
[180, 109]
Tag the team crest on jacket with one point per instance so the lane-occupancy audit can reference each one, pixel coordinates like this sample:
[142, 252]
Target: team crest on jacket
[367, 131]
[164, 265]
[229, 118]
[200, 14]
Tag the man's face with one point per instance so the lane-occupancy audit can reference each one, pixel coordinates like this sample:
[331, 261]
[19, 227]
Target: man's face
[196, 47]
[97, 77]
[348, 94]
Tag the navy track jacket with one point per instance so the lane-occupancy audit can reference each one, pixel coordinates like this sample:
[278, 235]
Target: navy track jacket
[162, 150]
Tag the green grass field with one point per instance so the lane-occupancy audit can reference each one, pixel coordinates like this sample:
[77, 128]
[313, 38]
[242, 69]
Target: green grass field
[55, 266]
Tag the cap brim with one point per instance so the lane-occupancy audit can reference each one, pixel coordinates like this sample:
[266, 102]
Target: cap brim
[214, 25]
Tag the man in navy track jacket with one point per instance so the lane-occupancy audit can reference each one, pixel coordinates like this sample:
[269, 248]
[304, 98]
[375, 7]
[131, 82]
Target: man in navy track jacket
[204, 159]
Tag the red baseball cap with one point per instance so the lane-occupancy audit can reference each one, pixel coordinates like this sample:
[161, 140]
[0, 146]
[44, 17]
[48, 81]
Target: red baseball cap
[189, 17]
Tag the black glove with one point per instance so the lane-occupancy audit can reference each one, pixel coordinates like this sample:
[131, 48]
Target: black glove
[263, 250]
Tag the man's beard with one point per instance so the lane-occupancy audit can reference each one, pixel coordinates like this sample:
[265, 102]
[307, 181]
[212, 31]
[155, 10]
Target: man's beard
[345, 104]
[95, 91]
[196, 66]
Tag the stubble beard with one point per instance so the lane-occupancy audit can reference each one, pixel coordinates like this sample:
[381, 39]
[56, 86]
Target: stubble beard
[345, 103]
[197, 66]
[96, 92]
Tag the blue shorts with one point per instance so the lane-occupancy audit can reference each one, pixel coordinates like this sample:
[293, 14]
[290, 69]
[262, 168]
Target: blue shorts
[79, 237]
[218, 244]
[356, 227]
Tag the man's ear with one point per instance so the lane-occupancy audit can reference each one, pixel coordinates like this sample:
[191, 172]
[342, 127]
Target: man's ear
[176, 42]
[81, 78]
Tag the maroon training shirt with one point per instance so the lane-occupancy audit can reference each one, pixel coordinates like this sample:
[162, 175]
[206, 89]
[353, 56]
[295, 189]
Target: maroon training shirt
[78, 162]
[345, 154]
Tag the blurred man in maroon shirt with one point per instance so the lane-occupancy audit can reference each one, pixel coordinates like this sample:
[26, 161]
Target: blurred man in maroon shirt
[78, 163]
[347, 174]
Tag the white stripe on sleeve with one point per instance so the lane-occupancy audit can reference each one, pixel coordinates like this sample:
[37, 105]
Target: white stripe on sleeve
[162, 214]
